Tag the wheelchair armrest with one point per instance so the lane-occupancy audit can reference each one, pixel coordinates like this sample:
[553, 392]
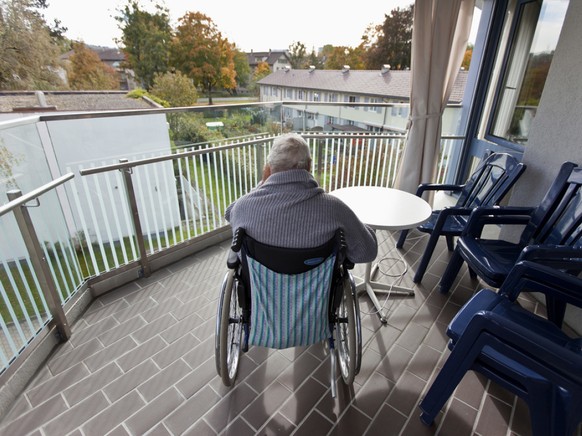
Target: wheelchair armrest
[233, 261]
[437, 187]
[482, 216]
[531, 276]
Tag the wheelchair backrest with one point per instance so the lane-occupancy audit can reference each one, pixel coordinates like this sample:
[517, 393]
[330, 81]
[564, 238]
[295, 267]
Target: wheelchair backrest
[289, 291]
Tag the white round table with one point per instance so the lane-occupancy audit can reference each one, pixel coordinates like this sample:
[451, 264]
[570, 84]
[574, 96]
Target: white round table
[383, 209]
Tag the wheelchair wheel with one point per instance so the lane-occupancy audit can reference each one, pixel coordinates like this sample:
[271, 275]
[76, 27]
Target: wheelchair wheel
[349, 336]
[229, 328]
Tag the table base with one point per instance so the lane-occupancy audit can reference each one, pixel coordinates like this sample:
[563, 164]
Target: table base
[371, 287]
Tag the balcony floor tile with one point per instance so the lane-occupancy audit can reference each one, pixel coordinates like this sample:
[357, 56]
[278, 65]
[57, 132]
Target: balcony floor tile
[141, 360]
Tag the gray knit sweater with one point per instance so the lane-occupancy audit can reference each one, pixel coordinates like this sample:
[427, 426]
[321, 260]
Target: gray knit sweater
[290, 210]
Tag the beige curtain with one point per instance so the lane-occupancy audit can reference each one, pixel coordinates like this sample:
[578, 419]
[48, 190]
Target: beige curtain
[439, 39]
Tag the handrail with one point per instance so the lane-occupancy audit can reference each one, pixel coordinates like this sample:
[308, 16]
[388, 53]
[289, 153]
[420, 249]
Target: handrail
[151, 160]
[153, 111]
[34, 194]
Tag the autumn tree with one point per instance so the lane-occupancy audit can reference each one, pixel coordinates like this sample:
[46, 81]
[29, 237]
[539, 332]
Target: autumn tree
[467, 57]
[200, 52]
[297, 55]
[391, 42]
[175, 88]
[87, 72]
[28, 54]
[261, 70]
[145, 40]
[339, 56]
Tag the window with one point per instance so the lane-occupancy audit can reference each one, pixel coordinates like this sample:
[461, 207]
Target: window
[299, 94]
[332, 97]
[536, 28]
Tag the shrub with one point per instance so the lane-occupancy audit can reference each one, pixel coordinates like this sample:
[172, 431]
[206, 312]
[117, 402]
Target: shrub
[175, 88]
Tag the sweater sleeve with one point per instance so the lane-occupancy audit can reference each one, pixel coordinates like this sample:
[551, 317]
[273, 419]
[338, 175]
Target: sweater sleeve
[360, 238]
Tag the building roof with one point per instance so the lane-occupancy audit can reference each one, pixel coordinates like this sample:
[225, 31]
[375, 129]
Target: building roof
[106, 54]
[391, 84]
[269, 57]
[28, 101]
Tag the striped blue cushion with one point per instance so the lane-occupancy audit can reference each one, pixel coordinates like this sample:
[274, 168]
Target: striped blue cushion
[289, 310]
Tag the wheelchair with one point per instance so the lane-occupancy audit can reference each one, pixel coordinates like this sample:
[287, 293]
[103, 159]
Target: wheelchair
[280, 298]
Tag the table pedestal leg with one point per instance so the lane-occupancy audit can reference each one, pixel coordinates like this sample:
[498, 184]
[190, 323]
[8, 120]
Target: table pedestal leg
[372, 287]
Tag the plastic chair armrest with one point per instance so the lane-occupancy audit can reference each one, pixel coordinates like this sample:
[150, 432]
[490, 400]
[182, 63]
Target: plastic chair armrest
[447, 212]
[520, 338]
[571, 256]
[499, 215]
[532, 276]
[438, 187]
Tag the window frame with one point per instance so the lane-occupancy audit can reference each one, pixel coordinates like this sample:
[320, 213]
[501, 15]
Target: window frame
[500, 85]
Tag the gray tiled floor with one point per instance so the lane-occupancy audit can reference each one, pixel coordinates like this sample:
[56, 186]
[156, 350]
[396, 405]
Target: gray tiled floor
[141, 360]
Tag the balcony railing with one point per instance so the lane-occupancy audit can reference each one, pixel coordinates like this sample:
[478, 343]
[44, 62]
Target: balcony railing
[126, 208]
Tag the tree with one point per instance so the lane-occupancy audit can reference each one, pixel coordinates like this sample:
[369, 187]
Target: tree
[391, 43]
[28, 54]
[340, 56]
[200, 52]
[242, 68]
[175, 88]
[315, 60]
[8, 161]
[261, 70]
[467, 57]
[145, 40]
[86, 71]
[297, 55]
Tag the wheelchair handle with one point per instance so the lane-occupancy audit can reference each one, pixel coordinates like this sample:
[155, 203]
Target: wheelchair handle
[237, 240]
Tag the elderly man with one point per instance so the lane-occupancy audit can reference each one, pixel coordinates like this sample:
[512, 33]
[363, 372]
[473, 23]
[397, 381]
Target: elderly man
[289, 209]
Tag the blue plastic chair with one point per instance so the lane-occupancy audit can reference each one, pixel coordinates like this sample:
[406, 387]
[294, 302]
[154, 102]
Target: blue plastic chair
[487, 186]
[551, 229]
[517, 349]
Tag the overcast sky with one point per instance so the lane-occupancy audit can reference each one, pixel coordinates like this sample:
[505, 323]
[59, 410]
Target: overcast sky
[259, 25]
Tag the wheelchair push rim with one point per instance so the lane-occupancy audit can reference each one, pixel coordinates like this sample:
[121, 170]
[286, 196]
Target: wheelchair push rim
[347, 335]
[229, 328]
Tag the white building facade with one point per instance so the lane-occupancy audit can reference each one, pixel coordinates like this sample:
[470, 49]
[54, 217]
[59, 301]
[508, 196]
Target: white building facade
[324, 91]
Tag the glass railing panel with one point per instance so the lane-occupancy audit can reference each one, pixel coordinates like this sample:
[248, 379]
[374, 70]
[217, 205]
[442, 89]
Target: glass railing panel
[23, 303]
[23, 309]
[23, 161]
[213, 124]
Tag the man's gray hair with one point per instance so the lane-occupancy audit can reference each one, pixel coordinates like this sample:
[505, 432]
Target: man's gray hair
[289, 152]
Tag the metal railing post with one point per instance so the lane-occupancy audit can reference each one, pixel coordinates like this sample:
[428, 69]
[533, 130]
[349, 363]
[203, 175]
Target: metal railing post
[129, 190]
[40, 265]
[320, 153]
[260, 162]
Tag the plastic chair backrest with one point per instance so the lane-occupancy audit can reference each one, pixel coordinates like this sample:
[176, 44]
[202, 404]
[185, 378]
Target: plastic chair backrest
[558, 218]
[491, 180]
